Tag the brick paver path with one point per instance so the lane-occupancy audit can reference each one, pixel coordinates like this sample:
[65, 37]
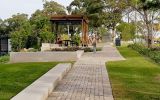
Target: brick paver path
[88, 79]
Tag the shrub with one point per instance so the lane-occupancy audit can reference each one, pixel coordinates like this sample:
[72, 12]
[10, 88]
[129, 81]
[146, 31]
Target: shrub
[155, 49]
[32, 50]
[66, 49]
[4, 59]
[86, 49]
[149, 52]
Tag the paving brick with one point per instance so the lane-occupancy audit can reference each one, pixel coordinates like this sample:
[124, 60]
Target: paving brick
[88, 79]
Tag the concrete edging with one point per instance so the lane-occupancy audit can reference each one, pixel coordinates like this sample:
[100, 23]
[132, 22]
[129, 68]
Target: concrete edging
[42, 87]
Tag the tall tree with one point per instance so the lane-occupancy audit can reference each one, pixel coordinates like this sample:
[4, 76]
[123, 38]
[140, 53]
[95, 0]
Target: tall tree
[16, 22]
[113, 13]
[100, 12]
[52, 8]
[127, 31]
[19, 29]
[2, 27]
[40, 21]
[93, 9]
[149, 11]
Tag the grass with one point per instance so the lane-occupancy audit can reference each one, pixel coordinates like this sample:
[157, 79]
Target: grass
[15, 77]
[136, 78]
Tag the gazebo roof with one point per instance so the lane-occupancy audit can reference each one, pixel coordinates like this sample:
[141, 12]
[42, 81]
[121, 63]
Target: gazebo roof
[66, 18]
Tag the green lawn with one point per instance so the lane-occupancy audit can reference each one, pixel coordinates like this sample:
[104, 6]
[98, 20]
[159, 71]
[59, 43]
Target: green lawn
[15, 77]
[136, 78]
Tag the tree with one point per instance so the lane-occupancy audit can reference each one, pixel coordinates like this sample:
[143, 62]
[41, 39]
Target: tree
[149, 12]
[93, 9]
[114, 10]
[40, 21]
[19, 39]
[127, 31]
[16, 21]
[2, 27]
[102, 30]
[46, 35]
[52, 8]
[100, 12]
[19, 29]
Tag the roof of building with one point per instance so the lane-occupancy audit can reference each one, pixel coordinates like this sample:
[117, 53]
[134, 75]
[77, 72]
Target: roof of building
[69, 18]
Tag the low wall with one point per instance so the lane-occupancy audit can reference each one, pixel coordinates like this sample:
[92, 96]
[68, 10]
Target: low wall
[16, 57]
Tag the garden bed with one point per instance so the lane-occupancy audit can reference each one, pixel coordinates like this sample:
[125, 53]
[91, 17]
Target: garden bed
[86, 49]
[153, 53]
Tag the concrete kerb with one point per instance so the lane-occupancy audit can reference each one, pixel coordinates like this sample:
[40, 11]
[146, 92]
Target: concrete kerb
[42, 87]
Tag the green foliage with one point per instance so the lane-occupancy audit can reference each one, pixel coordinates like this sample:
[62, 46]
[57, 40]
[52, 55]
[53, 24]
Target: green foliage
[65, 37]
[149, 4]
[29, 33]
[114, 10]
[95, 12]
[99, 12]
[91, 49]
[155, 55]
[127, 31]
[16, 22]
[32, 50]
[40, 21]
[20, 30]
[135, 78]
[86, 49]
[2, 28]
[76, 38]
[4, 59]
[19, 39]
[53, 7]
[102, 31]
[46, 36]
[92, 9]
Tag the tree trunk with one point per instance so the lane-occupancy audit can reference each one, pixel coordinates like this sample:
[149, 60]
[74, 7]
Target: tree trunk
[149, 30]
[113, 34]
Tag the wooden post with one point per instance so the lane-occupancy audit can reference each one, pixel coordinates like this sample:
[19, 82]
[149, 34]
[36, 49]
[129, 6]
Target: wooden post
[87, 33]
[82, 33]
[56, 30]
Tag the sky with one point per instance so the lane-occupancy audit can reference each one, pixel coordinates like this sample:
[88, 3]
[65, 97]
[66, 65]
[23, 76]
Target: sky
[10, 7]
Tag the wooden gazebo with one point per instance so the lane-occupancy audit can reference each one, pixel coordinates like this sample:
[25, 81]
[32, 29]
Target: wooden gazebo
[72, 20]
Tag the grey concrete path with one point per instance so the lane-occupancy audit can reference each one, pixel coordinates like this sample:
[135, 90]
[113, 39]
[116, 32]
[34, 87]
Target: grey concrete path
[88, 79]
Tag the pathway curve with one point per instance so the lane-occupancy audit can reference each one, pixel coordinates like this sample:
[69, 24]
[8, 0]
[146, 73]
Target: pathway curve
[88, 79]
